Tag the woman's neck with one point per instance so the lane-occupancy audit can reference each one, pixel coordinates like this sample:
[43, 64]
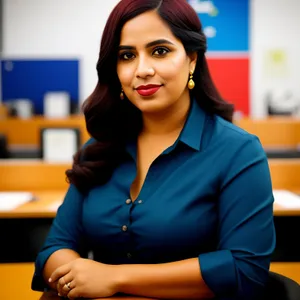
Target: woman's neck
[166, 122]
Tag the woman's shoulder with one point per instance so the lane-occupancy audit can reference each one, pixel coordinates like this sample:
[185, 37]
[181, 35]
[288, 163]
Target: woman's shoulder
[230, 136]
[232, 131]
[231, 128]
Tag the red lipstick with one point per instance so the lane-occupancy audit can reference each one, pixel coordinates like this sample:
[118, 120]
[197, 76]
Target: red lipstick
[148, 90]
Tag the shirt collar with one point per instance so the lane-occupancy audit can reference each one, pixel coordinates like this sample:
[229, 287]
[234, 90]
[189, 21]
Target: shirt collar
[192, 132]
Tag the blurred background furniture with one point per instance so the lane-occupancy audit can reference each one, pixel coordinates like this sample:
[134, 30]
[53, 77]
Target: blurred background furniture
[281, 287]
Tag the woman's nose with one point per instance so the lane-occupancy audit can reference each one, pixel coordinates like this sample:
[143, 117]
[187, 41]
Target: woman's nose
[144, 68]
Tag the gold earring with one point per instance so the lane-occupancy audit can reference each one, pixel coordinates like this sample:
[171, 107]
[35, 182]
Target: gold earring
[122, 95]
[191, 83]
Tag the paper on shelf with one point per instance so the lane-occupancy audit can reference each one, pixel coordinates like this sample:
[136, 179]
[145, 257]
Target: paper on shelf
[59, 145]
[11, 200]
[286, 199]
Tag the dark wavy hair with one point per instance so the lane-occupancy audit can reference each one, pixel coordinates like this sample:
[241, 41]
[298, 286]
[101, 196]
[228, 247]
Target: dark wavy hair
[111, 121]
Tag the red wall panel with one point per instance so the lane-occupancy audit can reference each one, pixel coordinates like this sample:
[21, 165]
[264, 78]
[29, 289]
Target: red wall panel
[231, 76]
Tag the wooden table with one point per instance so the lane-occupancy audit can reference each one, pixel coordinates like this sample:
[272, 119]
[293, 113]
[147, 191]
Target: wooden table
[287, 129]
[44, 208]
[274, 132]
[36, 174]
[280, 210]
[26, 132]
[47, 202]
[22, 274]
[32, 175]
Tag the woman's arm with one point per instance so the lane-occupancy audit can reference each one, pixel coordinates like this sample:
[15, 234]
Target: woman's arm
[64, 241]
[57, 259]
[175, 280]
[90, 279]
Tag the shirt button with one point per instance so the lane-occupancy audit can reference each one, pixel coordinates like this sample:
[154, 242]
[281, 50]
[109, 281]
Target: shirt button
[128, 201]
[140, 201]
[124, 228]
[129, 255]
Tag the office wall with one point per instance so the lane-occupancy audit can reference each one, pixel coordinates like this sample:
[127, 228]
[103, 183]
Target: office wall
[72, 28]
[57, 29]
[275, 48]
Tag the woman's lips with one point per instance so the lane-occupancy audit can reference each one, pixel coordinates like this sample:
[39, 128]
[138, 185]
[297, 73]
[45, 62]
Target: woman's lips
[148, 90]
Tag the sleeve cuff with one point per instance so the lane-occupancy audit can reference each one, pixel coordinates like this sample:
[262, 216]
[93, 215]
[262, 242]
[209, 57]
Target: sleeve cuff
[38, 283]
[218, 272]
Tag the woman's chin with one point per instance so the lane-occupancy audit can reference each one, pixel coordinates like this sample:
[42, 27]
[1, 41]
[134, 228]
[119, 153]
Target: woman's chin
[151, 108]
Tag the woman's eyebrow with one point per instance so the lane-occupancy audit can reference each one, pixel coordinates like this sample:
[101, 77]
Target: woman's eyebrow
[158, 42]
[148, 45]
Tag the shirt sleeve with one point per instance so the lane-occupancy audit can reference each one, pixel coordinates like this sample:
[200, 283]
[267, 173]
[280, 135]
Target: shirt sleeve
[65, 233]
[239, 268]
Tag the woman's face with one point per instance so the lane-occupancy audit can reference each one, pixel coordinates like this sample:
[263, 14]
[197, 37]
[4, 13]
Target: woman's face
[153, 67]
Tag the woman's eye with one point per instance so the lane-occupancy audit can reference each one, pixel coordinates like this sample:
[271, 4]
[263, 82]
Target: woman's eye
[161, 51]
[126, 56]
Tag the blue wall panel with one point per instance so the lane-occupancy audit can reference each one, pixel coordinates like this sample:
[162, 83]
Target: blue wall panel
[31, 79]
[228, 19]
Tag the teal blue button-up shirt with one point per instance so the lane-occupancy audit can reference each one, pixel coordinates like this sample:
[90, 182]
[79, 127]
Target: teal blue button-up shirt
[208, 196]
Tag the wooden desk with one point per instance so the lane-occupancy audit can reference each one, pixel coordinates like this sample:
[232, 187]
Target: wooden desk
[21, 273]
[26, 174]
[48, 183]
[16, 281]
[285, 173]
[47, 202]
[27, 132]
[289, 269]
[274, 132]
[45, 206]
[279, 210]
[20, 175]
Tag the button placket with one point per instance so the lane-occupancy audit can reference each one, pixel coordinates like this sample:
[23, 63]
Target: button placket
[150, 179]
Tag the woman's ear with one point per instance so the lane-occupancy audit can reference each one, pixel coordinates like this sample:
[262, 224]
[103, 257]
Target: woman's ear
[193, 60]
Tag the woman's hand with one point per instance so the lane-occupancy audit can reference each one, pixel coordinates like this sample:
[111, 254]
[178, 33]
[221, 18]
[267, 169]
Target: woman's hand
[85, 278]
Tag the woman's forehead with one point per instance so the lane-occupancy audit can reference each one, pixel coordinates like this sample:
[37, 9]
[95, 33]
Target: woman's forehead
[145, 28]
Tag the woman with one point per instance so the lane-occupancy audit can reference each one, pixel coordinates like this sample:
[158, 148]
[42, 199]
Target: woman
[171, 198]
